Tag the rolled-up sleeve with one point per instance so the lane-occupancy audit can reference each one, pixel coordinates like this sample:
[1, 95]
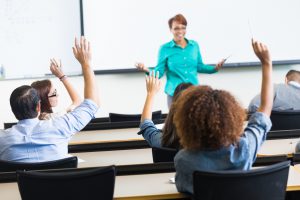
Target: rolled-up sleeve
[256, 132]
[77, 119]
[150, 133]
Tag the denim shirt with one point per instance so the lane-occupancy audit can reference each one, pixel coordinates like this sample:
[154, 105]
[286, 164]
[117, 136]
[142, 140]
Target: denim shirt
[181, 64]
[150, 133]
[34, 140]
[240, 156]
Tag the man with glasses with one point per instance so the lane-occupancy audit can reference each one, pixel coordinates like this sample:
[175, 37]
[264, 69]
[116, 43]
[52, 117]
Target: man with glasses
[34, 140]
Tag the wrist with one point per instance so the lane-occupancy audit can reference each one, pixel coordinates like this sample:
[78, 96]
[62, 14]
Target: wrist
[63, 77]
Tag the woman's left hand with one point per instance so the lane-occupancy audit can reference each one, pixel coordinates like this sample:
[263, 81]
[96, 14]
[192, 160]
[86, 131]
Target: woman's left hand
[55, 68]
[220, 64]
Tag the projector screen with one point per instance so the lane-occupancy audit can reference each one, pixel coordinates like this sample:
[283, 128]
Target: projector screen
[123, 32]
[33, 31]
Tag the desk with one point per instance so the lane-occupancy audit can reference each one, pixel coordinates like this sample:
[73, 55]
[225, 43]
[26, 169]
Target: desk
[294, 178]
[157, 186]
[278, 147]
[118, 157]
[101, 136]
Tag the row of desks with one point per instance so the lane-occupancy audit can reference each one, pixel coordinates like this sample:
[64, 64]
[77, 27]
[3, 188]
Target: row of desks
[148, 186]
[270, 147]
[143, 156]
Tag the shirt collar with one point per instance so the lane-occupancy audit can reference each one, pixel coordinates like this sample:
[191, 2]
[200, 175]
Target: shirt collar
[29, 121]
[294, 83]
[189, 42]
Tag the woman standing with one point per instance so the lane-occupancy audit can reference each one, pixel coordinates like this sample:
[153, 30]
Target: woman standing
[180, 59]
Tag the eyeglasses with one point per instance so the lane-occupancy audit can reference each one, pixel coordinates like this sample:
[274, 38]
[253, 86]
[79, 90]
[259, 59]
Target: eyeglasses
[54, 94]
[180, 28]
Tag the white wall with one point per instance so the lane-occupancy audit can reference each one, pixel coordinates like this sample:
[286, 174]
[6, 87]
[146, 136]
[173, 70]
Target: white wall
[125, 93]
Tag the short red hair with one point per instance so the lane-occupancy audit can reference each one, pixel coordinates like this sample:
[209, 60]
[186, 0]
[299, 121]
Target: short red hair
[178, 18]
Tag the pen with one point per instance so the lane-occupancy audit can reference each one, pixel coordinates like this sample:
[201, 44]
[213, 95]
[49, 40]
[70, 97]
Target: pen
[227, 57]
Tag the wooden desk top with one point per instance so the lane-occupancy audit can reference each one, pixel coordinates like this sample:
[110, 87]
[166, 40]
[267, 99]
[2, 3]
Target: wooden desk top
[100, 136]
[278, 147]
[148, 186]
[118, 157]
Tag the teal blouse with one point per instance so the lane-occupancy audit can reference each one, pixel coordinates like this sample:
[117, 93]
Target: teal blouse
[181, 64]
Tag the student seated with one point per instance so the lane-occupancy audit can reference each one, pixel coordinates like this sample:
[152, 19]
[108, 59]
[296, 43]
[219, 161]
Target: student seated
[209, 124]
[34, 140]
[155, 137]
[286, 95]
[49, 96]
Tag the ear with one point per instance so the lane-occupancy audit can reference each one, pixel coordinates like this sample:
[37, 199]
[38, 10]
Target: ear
[286, 80]
[38, 107]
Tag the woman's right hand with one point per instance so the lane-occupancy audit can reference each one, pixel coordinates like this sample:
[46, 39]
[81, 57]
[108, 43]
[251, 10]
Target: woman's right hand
[153, 83]
[141, 66]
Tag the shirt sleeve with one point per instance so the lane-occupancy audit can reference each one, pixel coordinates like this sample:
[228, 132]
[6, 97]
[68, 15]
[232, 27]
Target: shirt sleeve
[77, 119]
[161, 63]
[254, 104]
[150, 133]
[201, 67]
[256, 132]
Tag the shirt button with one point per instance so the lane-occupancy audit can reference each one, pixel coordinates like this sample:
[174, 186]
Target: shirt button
[185, 72]
[184, 58]
[185, 65]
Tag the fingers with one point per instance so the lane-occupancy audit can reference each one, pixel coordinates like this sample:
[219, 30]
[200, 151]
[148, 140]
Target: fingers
[76, 44]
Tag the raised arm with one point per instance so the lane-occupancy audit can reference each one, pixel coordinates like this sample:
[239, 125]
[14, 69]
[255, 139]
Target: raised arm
[56, 69]
[82, 52]
[153, 85]
[262, 52]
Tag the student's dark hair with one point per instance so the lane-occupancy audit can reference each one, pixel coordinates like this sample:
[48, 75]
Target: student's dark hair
[169, 137]
[293, 75]
[178, 18]
[24, 101]
[43, 88]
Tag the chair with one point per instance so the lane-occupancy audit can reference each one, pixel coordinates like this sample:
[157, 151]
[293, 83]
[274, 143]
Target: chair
[9, 125]
[163, 154]
[116, 117]
[285, 120]
[296, 158]
[70, 162]
[77, 184]
[260, 184]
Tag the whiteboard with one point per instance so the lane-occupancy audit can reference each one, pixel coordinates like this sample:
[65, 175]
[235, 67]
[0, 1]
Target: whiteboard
[33, 31]
[123, 32]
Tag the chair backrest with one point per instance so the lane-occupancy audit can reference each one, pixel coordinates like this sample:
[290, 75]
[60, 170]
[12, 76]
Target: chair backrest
[285, 120]
[260, 184]
[296, 158]
[70, 162]
[76, 184]
[116, 117]
[9, 124]
[163, 154]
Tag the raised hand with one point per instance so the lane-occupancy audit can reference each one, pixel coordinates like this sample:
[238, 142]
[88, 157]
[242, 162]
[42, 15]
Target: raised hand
[261, 51]
[82, 51]
[55, 68]
[153, 83]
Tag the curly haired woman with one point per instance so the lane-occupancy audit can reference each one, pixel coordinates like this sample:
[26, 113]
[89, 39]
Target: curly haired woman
[209, 124]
